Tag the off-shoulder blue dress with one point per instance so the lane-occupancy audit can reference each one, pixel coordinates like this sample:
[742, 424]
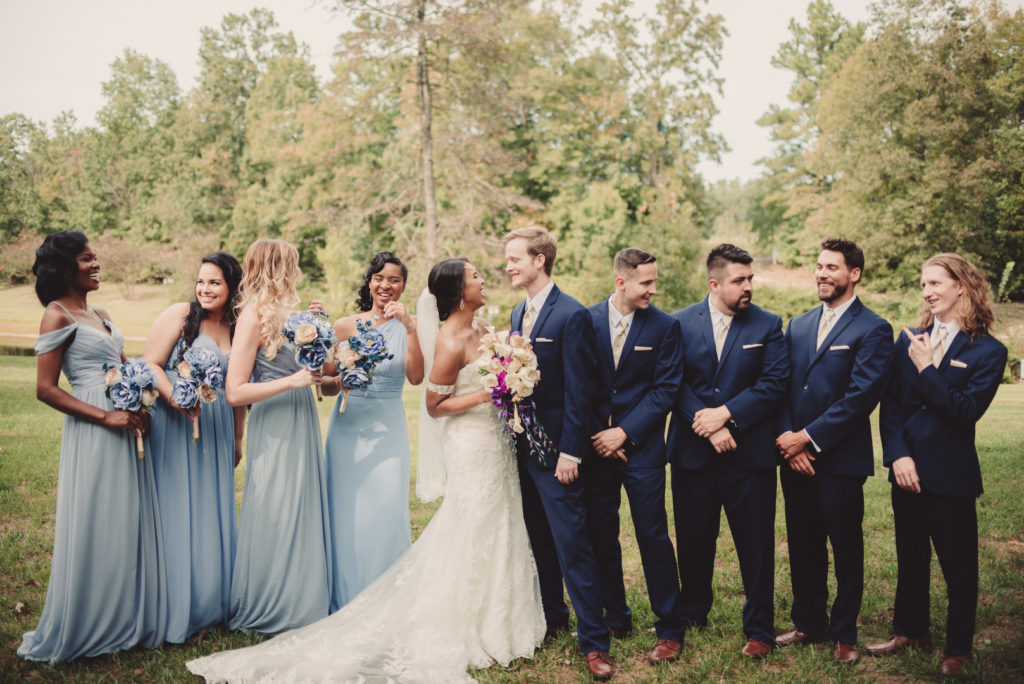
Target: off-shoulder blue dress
[368, 476]
[282, 575]
[107, 586]
[195, 483]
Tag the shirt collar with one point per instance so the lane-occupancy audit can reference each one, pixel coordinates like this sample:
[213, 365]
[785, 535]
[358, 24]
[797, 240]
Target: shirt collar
[537, 301]
[952, 328]
[614, 316]
[717, 316]
[839, 310]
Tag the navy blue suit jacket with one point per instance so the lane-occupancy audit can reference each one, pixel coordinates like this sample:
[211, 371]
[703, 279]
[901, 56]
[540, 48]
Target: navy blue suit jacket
[750, 379]
[561, 408]
[833, 390]
[637, 395]
[930, 416]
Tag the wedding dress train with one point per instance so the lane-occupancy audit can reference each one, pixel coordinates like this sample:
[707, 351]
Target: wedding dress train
[464, 595]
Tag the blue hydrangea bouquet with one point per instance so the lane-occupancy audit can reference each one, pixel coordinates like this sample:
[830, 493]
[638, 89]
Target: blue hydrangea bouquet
[199, 378]
[313, 338]
[358, 356]
[131, 386]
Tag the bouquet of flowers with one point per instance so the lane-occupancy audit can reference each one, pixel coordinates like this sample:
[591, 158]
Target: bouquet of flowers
[200, 376]
[314, 339]
[131, 386]
[358, 357]
[509, 370]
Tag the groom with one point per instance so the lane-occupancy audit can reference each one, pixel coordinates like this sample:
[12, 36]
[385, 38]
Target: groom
[552, 488]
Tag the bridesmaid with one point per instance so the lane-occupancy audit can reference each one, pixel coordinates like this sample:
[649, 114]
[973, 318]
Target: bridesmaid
[367, 461]
[106, 591]
[945, 376]
[195, 481]
[282, 575]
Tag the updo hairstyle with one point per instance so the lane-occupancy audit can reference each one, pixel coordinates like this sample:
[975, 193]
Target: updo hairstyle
[446, 282]
[56, 264]
[377, 263]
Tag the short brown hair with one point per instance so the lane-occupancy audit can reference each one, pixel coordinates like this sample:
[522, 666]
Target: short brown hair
[538, 241]
[631, 258]
[974, 310]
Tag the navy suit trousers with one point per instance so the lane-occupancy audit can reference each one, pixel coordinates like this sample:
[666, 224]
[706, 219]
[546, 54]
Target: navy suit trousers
[748, 497]
[951, 523]
[819, 509]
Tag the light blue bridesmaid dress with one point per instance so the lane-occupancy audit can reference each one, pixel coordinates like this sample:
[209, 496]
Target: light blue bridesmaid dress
[195, 484]
[282, 576]
[106, 591]
[368, 476]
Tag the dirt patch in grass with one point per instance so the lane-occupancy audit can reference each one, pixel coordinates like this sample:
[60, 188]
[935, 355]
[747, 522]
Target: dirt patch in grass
[1005, 548]
[1004, 630]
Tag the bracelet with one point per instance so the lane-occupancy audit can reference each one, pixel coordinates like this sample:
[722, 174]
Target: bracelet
[440, 389]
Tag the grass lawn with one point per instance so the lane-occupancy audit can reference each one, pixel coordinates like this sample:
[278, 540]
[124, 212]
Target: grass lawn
[29, 443]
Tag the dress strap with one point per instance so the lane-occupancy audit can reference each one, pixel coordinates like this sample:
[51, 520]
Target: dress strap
[65, 310]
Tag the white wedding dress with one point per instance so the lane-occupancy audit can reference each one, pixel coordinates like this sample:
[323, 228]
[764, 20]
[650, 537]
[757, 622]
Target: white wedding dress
[465, 594]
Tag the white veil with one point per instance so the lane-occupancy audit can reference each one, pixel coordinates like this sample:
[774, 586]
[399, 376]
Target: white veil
[430, 473]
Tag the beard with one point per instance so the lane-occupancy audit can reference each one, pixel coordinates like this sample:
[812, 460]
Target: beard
[837, 292]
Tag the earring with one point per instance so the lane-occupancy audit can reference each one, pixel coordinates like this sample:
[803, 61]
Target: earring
[462, 305]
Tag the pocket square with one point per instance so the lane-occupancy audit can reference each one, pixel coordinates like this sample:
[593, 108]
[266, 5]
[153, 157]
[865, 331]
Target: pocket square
[642, 348]
[957, 364]
[751, 346]
[838, 347]
[543, 339]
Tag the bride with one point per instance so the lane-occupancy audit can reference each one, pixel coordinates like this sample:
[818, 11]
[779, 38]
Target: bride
[466, 593]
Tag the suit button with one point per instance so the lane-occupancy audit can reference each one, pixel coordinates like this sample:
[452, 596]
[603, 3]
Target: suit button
[805, 387]
[717, 390]
[924, 408]
[615, 391]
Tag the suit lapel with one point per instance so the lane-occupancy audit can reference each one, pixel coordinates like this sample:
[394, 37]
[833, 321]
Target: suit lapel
[735, 328]
[707, 331]
[840, 325]
[955, 347]
[604, 342]
[542, 315]
[639, 317]
[517, 316]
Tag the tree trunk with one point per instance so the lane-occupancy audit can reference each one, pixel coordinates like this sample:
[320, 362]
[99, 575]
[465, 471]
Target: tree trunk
[427, 142]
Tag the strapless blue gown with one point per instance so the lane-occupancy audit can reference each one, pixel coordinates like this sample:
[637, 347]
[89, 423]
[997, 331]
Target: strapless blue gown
[368, 476]
[282, 575]
[195, 483]
[106, 591]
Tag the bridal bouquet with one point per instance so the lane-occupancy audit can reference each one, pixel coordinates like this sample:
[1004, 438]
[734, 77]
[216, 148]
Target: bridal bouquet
[200, 378]
[314, 339]
[131, 386]
[509, 370]
[358, 357]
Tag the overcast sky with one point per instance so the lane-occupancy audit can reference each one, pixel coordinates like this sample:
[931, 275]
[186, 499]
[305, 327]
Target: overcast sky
[56, 53]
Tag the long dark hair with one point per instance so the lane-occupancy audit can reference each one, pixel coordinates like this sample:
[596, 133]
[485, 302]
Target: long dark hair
[446, 282]
[232, 271]
[56, 264]
[377, 263]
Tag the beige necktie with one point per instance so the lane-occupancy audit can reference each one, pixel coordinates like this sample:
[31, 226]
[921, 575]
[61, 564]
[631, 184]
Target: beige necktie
[528, 320]
[939, 349]
[826, 324]
[720, 335]
[619, 341]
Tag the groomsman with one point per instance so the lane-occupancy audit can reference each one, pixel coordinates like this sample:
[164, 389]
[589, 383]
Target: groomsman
[553, 504]
[839, 357]
[636, 356]
[721, 443]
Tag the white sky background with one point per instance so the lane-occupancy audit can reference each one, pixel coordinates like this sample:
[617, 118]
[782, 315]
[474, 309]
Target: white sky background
[56, 54]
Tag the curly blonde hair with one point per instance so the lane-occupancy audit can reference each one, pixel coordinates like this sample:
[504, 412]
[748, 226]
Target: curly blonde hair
[270, 276]
[974, 308]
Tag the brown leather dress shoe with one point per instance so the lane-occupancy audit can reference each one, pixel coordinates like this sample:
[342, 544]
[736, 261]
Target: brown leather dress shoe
[796, 637]
[599, 665]
[896, 644]
[847, 654]
[755, 650]
[952, 665]
[665, 651]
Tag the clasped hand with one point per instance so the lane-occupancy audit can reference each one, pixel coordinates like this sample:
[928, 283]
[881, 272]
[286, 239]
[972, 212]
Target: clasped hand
[608, 443]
